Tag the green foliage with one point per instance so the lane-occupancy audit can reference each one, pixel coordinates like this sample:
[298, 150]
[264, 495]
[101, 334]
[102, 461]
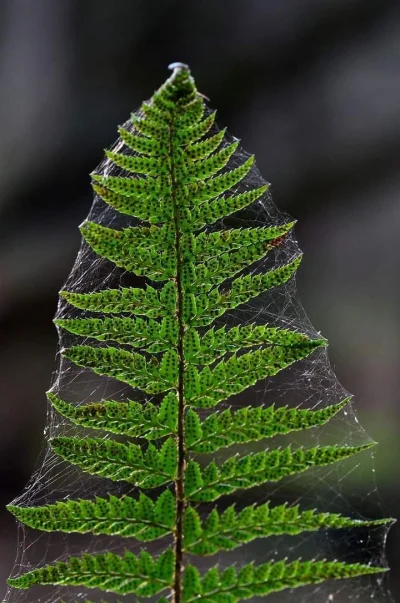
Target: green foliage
[230, 529]
[142, 519]
[250, 424]
[142, 575]
[176, 172]
[130, 418]
[150, 335]
[230, 586]
[116, 461]
[152, 376]
[143, 302]
[207, 387]
[237, 472]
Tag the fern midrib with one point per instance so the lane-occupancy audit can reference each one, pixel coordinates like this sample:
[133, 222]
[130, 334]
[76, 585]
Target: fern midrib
[179, 482]
[124, 520]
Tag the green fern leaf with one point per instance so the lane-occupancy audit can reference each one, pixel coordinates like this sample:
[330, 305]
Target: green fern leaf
[213, 164]
[106, 241]
[208, 245]
[203, 308]
[226, 265]
[139, 144]
[155, 127]
[231, 586]
[118, 461]
[151, 376]
[123, 575]
[206, 388]
[251, 470]
[250, 424]
[204, 191]
[124, 418]
[200, 150]
[193, 133]
[211, 211]
[138, 165]
[146, 251]
[143, 302]
[144, 208]
[145, 188]
[141, 519]
[173, 340]
[231, 529]
[216, 343]
[148, 334]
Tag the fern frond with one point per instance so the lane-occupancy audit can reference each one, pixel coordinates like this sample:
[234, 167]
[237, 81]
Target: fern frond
[193, 133]
[123, 575]
[215, 343]
[150, 335]
[156, 129]
[139, 144]
[215, 271]
[231, 586]
[120, 462]
[144, 208]
[145, 188]
[200, 150]
[213, 187]
[206, 388]
[209, 212]
[143, 302]
[135, 163]
[142, 519]
[248, 286]
[124, 418]
[250, 424]
[189, 113]
[153, 376]
[108, 241]
[230, 529]
[203, 308]
[242, 472]
[214, 163]
[121, 246]
[148, 254]
[208, 245]
[175, 170]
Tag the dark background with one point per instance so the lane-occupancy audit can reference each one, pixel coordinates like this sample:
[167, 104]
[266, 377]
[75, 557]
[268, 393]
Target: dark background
[311, 87]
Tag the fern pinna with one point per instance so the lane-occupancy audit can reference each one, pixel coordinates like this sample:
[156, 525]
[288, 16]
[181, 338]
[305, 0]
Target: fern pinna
[179, 178]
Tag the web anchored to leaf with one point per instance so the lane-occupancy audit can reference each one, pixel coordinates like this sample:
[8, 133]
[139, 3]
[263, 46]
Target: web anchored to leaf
[192, 339]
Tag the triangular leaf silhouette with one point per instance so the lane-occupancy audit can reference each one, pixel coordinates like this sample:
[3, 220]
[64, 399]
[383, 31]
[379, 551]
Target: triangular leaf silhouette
[183, 190]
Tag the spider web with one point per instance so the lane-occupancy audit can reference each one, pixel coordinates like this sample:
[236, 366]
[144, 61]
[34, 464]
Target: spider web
[348, 487]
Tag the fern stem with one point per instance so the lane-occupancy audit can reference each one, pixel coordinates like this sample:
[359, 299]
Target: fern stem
[179, 482]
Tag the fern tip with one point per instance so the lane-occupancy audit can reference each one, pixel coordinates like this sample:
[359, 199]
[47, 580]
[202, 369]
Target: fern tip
[12, 509]
[387, 521]
[371, 444]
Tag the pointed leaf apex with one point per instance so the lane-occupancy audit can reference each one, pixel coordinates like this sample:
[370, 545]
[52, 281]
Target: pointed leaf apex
[12, 509]
[387, 521]
[369, 445]
[344, 403]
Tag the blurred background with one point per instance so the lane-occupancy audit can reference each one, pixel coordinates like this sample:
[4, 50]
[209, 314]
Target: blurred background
[311, 87]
